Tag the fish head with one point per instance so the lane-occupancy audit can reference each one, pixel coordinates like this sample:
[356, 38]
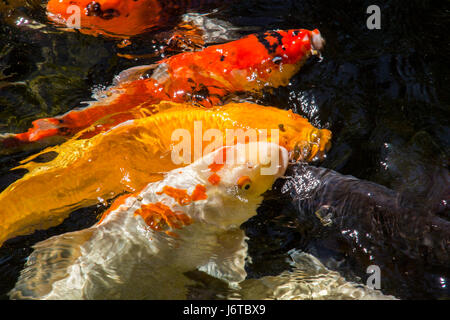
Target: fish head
[292, 46]
[236, 177]
[277, 55]
[304, 141]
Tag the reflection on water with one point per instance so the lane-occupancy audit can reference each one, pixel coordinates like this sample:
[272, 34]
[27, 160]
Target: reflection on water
[383, 94]
[352, 224]
[306, 279]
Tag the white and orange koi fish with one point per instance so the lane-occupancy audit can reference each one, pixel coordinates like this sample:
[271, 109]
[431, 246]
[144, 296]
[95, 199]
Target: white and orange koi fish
[146, 241]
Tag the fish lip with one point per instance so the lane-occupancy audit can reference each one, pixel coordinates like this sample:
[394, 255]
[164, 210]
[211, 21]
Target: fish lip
[317, 41]
[314, 148]
[301, 152]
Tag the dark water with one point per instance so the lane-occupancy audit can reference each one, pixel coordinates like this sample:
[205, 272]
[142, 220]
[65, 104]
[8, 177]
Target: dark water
[383, 93]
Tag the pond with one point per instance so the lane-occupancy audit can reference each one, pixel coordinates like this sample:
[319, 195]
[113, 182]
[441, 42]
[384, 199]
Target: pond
[382, 92]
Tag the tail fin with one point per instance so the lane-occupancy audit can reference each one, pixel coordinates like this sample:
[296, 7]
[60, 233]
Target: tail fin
[49, 263]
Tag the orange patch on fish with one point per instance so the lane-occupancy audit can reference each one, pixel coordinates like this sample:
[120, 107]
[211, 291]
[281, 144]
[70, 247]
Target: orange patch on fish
[199, 193]
[181, 195]
[158, 216]
[219, 160]
[214, 167]
[214, 179]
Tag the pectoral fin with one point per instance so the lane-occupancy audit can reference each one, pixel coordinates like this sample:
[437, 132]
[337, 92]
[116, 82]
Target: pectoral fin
[228, 263]
[49, 263]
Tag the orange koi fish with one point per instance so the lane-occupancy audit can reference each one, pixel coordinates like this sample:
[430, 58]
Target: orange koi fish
[137, 152]
[159, 236]
[206, 77]
[118, 18]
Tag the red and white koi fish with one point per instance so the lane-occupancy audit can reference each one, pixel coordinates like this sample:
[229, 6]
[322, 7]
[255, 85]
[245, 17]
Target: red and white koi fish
[146, 241]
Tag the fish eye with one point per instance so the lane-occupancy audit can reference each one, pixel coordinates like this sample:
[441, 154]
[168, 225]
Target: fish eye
[244, 182]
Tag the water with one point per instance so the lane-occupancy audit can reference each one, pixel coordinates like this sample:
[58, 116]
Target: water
[383, 93]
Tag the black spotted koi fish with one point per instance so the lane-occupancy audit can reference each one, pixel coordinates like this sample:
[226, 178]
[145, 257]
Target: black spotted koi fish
[205, 77]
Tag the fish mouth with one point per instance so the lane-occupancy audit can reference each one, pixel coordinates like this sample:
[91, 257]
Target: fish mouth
[315, 147]
[317, 42]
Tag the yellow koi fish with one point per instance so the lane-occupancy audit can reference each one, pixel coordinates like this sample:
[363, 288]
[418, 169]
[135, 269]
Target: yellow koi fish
[137, 152]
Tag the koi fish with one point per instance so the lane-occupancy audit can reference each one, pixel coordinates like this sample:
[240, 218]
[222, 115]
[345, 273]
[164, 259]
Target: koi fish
[118, 18]
[137, 152]
[205, 77]
[382, 217]
[179, 224]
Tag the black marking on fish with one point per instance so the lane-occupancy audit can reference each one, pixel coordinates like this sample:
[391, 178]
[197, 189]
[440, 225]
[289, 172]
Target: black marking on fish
[93, 9]
[262, 38]
[109, 14]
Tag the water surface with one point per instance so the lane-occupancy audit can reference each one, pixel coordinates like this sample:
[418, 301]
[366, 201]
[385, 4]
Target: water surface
[383, 93]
